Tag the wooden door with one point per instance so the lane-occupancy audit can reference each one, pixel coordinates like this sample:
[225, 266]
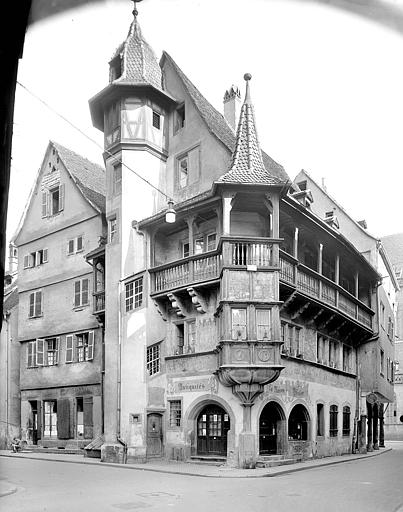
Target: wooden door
[212, 428]
[154, 435]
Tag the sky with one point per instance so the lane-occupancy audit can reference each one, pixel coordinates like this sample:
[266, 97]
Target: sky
[326, 86]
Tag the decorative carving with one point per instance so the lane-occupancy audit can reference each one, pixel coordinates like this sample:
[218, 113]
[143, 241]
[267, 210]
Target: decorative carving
[338, 328]
[247, 393]
[197, 300]
[288, 301]
[327, 322]
[300, 310]
[161, 309]
[176, 304]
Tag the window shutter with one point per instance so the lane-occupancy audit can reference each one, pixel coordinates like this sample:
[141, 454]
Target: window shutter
[26, 261]
[84, 291]
[90, 350]
[39, 352]
[45, 256]
[70, 247]
[77, 293]
[38, 419]
[88, 427]
[31, 304]
[79, 243]
[194, 165]
[63, 418]
[44, 203]
[37, 258]
[31, 260]
[38, 304]
[57, 350]
[69, 348]
[61, 198]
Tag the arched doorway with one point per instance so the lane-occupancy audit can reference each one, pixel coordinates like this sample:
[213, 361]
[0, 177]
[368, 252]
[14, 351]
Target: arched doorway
[213, 424]
[298, 423]
[271, 429]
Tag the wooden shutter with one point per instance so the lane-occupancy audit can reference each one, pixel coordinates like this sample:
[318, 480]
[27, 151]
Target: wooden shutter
[31, 304]
[40, 352]
[39, 419]
[38, 304]
[77, 293]
[37, 258]
[61, 198]
[88, 424]
[84, 291]
[44, 203]
[69, 348]
[194, 165]
[79, 243]
[57, 349]
[45, 256]
[63, 418]
[26, 261]
[90, 349]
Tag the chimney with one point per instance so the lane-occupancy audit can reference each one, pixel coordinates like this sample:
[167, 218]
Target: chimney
[232, 106]
[363, 223]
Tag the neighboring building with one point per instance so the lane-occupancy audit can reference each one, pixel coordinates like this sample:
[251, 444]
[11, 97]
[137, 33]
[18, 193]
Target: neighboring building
[61, 340]
[10, 407]
[249, 325]
[394, 414]
[375, 356]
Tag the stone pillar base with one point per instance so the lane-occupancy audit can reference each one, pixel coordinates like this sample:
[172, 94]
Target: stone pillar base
[113, 452]
[247, 450]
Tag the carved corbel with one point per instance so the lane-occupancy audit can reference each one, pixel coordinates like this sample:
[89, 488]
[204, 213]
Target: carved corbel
[338, 328]
[161, 309]
[197, 300]
[176, 304]
[288, 301]
[327, 322]
[300, 310]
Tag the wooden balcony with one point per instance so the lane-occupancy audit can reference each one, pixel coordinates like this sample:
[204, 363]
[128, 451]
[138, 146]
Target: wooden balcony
[261, 253]
[99, 303]
[310, 283]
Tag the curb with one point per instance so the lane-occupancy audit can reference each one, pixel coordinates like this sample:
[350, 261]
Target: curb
[183, 473]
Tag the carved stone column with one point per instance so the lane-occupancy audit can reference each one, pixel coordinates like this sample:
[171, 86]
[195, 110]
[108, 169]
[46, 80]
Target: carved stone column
[375, 426]
[370, 447]
[381, 426]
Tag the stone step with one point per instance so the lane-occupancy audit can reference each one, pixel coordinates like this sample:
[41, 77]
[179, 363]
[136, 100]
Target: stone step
[208, 460]
[271, 457]
[70, 451]
[272, 463]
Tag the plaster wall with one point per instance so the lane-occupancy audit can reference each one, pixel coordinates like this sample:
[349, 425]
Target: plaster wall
[9, 379]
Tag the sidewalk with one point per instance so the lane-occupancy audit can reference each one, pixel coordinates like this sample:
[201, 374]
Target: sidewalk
[192, 469]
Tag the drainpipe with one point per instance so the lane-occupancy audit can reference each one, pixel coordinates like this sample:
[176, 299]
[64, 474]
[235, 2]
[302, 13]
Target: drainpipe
[119, 376]
[6, 317]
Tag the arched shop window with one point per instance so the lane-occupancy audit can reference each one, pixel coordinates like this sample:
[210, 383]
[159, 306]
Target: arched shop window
[298, 424]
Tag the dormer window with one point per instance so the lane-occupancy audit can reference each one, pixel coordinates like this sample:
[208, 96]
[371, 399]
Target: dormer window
[179, 119]
[302, 185]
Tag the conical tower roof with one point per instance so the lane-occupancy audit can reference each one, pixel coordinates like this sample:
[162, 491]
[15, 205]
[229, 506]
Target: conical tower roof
[138, 62]
[247, 163]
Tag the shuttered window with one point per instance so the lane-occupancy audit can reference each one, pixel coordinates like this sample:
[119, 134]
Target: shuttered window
[40, 344]
[35, 304]
[69, 349]
[81, 293]
[80, 347]
[263, 324]
[31, 348]
[63, 418]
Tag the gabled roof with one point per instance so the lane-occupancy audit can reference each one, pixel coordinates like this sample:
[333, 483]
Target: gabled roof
[394, 247]
[216, 122]
[247, 162]
[139, 64]
[88, 176]
[11, 300]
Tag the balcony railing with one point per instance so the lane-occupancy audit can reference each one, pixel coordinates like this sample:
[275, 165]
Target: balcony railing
[99, 302]
[241, 252]
[311, 283]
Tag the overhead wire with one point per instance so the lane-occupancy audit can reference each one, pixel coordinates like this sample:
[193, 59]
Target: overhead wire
[93, 140]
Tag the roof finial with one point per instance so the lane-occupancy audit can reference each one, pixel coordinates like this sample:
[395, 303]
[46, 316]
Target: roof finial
[247, 77]
[135, 11]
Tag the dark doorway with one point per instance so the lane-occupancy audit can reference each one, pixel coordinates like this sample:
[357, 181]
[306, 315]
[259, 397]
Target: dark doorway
[212, 427]
[270, 429]
[154, 435]
[34, 422]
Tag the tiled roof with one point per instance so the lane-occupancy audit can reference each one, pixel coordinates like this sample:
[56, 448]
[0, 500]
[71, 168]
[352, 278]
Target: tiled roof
[89, 177]
[394, 248]
[11, 300]
[217, 124]
[247, 162]
[139, 63]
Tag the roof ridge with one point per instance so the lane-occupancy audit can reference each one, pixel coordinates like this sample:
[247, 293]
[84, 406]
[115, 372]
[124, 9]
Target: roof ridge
[77, 154]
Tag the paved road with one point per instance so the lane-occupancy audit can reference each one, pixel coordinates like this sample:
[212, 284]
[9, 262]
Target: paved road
[370, 485]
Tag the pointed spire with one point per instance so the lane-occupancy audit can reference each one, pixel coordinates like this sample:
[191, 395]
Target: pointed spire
[135, 59]
[247, 163]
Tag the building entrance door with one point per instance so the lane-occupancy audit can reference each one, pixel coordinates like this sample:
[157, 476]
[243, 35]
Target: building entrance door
[269, 429]
[154, 435]
[212, 427]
